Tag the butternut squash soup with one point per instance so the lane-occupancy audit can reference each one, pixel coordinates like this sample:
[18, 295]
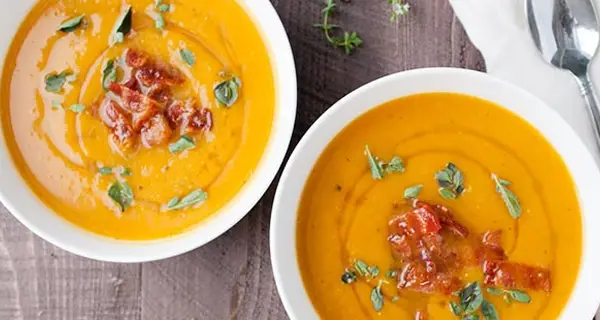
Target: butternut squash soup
[439, 206]
[137, 119]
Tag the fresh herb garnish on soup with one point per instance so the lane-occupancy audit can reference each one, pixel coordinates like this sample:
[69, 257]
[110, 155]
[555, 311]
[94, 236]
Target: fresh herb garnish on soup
[55, 81]
[380, 168]
[509, 198]
[188, 56]
[71, 24]
[109, 73]
[121, 193]
[227, 91]
[412, 192]
[123, 25]
[451, 181]
[193, 198]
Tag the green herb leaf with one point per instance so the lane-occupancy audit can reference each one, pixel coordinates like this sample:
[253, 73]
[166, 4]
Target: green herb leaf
[56, 104]
[105, 171]
[173, 202]
[455, 308]
[470, 297]
[164, 7]
[71, 24]
[391, 274]
[55, 81]
[77, 108]
[413, 191]
[123, 24]
[395, 165]
[471, 317]
[109, 73]
[519, 296]
[375, 165]
[349, 41]
[451, 181]
[182, 144]
[159, 21]
[126, 172]
[398, 9]
[495, 291]
[349, 276]
[377, 297]
[374, 271]
[227, 91]
[121, 193]
[447, 193]
[506, 298]
[361, 267]
[489, 311]
[509, 198]
[187, 56]
[195, 197]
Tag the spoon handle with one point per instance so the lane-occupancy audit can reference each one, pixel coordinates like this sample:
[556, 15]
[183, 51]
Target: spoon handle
[591, 99]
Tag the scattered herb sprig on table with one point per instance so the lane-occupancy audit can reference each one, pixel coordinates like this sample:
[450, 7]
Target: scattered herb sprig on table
[509, 198]
[399, 8]
[451, 181]
[348, 41]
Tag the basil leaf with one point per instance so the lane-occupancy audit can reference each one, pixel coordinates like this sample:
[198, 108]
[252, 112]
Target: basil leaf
[173, 202]
[374, 164]
[121, 193]
[447, 193]
[413, 191]
[182, 144]
[361, 267]
[495, 291]
[471, 317]
[377, 298]
[159, 21]
[164, 7]
[227, 91]
[519, 296]
[109, 73]
[195, 197]
[509, 198]
[187, 56]
[349, 276]
[126, 172]
[71, 24]
[395, 165]
[489, 311]
[77, 108]
[105, 171]
[55, 81]
[123, 24]
[374, 271]
[470, 297]
[455, 308]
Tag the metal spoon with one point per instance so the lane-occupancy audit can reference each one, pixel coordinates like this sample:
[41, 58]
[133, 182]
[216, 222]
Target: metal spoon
[567, 34]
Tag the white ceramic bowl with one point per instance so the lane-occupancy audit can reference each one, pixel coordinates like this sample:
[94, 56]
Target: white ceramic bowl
[585, 297]
[27, 208]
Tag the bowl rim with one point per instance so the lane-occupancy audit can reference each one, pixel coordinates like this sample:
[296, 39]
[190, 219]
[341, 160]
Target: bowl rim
[584, 298]
[18, 198]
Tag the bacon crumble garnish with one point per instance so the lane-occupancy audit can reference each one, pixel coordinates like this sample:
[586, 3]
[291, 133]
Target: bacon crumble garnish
[146, 106]
[511, 275]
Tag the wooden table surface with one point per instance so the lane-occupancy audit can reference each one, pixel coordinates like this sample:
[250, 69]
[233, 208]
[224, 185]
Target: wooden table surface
[231, 277]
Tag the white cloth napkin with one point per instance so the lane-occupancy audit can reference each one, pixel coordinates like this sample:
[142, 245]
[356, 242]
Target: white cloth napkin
[498, 28]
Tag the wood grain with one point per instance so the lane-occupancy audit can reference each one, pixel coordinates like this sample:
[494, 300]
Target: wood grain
[231, 277]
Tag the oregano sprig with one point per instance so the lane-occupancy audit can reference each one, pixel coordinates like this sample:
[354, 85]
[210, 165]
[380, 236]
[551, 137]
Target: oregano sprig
[509, 198]
[348, 41]
[399, 8]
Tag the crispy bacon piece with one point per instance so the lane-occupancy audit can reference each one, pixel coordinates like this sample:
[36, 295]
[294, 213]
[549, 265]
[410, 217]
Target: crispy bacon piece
[187, 117]
[152, 72]
[141, 107]
[417, 222]
[445, 216]
[111, 114]
[400, 246]
[513, 275]
[156, 131]
[414, 277]
[161, 94]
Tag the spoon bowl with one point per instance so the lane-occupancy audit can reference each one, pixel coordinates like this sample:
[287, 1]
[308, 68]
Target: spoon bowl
[567, 34]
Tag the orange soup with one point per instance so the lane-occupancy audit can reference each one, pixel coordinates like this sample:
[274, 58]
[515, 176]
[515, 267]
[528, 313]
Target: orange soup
[439, 206]
[137, 119]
